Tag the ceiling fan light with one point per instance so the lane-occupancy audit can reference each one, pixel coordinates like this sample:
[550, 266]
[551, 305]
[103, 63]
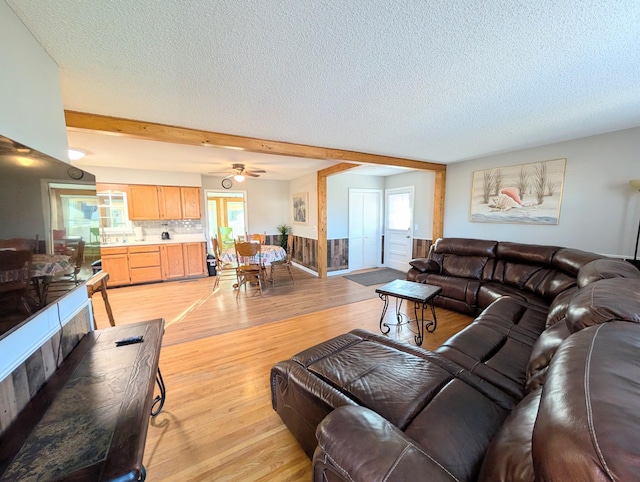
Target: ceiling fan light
[239, 177]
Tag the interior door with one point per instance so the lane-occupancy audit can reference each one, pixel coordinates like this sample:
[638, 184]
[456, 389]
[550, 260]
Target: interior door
[365, 231]
[398, 240]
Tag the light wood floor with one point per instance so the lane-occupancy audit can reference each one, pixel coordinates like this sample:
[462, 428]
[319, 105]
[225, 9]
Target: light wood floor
[217, 423]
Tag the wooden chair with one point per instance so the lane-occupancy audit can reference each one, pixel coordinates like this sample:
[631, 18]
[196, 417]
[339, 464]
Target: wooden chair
[15, 277]
[98, 284]
[250, 268]
[256, 238]
[284, 263]
[222, 268]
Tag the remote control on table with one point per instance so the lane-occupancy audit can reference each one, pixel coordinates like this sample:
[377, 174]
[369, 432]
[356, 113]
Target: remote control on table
[130, 341]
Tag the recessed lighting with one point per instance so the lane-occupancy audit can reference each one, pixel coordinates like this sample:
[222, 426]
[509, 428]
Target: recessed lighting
[75, 154]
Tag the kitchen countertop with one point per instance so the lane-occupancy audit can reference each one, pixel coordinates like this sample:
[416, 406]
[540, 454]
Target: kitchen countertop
[199, 238]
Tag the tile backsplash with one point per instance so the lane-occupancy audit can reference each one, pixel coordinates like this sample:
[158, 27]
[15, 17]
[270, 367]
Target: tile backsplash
[153, 229]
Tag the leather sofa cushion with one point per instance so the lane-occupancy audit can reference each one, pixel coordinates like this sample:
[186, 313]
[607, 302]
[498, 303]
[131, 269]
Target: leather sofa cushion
[465, 247]
[496, 347]
[531, 254]
[425, 265]
[587, 423]
[558, 309]
[470, 267]
[604, 269]
[569, 260]
[492, 291]
[509, 455]
[542, 353]
[604, 301]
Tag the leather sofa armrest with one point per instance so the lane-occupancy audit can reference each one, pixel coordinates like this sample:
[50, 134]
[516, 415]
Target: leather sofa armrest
[425, 265]
[357, 444]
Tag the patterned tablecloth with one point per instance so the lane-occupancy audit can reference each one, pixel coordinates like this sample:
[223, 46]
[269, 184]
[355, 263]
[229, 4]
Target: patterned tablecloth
[269, 254]
[50, 265]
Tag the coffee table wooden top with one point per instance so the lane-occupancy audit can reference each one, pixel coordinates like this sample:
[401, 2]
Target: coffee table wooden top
[409, 290]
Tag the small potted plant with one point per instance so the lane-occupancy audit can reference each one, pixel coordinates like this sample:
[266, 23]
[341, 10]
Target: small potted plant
[283, 230]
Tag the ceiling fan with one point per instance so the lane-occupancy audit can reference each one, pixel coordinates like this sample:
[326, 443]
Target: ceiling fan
[239, 172]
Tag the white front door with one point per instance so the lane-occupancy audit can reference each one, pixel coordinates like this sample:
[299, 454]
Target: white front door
[398, 240]
[365, 231]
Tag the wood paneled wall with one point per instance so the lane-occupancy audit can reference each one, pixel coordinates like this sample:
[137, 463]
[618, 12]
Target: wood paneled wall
[305, 252]
[17, 389]
[337, 254]
[421, 247]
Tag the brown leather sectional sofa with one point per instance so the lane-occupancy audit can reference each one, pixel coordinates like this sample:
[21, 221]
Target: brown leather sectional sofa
[541, 386]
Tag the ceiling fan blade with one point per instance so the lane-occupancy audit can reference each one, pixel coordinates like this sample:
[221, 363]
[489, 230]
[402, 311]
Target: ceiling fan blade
[251, 174]
[257, 171]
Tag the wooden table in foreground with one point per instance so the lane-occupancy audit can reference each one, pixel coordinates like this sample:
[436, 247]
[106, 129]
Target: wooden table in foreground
[90, 420]
[420, 294]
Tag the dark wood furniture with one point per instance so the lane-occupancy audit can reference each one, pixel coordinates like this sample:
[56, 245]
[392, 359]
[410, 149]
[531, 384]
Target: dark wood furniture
[420, 294]
[98, 284]
[90, 419]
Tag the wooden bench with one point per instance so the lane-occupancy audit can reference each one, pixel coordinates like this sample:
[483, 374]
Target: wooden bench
[90, 419]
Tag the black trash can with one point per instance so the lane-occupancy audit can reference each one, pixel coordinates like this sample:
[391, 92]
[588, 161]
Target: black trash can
[211, 265]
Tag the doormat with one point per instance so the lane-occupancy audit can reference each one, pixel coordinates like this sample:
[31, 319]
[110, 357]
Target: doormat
[377, 277]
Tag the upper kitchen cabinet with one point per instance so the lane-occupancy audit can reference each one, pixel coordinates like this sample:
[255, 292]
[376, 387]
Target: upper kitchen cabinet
[170, 202]
[150, 202]
[143, 202]
[191, 202]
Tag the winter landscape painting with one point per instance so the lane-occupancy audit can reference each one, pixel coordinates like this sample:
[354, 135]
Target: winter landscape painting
[525, 193]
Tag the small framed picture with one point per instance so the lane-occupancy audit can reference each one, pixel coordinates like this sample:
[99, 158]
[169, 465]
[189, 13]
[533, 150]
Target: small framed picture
[300, 208]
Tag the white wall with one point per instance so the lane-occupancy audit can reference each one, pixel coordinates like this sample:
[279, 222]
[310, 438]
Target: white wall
[31, 109]
[423, 182]
[338, 200]
[599, 210]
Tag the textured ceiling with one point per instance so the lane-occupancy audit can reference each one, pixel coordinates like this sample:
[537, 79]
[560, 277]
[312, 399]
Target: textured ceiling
[438, 81]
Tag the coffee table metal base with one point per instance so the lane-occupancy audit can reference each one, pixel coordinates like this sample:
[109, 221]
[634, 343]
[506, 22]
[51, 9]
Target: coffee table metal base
[421, 295]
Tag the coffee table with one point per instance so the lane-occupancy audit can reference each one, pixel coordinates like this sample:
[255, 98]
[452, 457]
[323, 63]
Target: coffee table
[422, 296]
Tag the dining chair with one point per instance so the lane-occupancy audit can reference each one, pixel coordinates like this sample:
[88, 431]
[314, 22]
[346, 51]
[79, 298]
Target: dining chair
[226, 237]
[257, 238]
[284, 263]
[15, 269]
[223, 268]
[250, 268]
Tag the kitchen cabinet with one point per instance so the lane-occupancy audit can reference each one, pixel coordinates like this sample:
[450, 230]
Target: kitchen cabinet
[191, 202]
[154, 262]
[194, 259]
[144, 263]
[170, 202]
[115, 261]
[172, 261]
[143, 202]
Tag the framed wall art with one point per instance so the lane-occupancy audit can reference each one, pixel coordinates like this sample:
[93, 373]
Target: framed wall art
[300, 208]
[523, 194]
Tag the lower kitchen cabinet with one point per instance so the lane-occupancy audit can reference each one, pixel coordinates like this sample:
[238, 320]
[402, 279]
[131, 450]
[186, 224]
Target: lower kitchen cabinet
[172, 261]
[154, 262]
[144, 264]
[195, 262]
[115, 261]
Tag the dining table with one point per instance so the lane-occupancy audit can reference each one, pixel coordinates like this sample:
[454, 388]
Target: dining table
[268, 254]
[44, 267]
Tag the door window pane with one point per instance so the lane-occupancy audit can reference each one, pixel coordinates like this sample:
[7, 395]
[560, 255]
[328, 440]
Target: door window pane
[399, 211]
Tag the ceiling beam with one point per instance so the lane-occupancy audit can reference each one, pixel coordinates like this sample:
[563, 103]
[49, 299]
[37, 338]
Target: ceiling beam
[182, 135]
